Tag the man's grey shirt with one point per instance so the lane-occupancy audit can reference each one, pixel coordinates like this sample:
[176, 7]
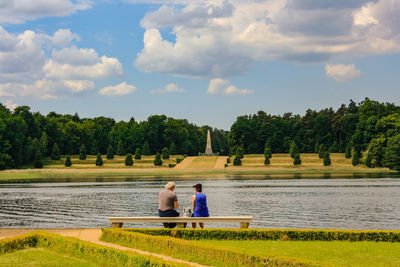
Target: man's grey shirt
[166, 199]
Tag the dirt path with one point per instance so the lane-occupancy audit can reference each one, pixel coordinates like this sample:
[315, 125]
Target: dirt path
[93, 236]
[220, 164]
[184, 163]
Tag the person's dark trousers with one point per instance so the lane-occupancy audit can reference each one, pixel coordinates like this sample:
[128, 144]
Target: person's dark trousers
[168, 213]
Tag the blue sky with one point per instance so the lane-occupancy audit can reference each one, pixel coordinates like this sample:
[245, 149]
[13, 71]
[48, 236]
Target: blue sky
[207, 61]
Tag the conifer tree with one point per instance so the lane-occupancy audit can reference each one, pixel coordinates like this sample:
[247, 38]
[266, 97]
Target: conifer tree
[82, 152]
[55, 152]
[70, 148]
[94, 149]
[165, 153]
[316, 148]
[146, 149]
[99, 160]
[267, 152]
[327, 158]
[321, 151]
[128, 160]
[267, 161]
[172, 149]
[237, 160]
[240, 151]
[120, 148]
[110, 152]
[38, 163]
[44, 144]
[138, 153]
[355, 157]
[347, 154]
[28, 148]
[294, 149]
[68, 162]
[157, 160]
[296, 159]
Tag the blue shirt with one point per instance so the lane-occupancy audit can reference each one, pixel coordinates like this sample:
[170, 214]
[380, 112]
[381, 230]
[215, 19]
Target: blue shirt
[200, 206]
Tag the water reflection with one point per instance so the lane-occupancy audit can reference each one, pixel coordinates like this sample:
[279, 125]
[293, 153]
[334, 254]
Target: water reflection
[283, 203]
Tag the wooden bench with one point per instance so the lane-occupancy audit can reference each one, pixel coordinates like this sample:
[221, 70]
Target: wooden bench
[244, 221]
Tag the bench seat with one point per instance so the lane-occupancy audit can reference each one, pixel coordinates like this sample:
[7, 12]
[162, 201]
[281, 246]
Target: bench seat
[244, 221]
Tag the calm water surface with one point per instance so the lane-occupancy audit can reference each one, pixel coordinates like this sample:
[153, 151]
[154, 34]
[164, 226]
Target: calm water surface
[305, 203]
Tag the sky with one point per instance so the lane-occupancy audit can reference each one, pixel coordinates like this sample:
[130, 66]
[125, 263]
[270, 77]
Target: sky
[206, 61]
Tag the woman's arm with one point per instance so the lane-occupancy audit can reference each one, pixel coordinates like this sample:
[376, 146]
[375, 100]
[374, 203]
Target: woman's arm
[193, 199]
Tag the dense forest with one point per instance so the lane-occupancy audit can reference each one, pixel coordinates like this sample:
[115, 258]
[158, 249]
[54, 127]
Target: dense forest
[368, 130]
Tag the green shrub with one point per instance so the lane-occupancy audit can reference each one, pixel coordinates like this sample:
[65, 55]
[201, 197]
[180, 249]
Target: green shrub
[171, 165]
[228, 160]
[178, 160]
[138, 153]
[267, 161]
[157, 160]
[68, 162]
[347, 153]
[201, 253]
[355, 157]
[99, 160]
[296, 159]
[82, 152]
[237, 160]
[55, 152]
[275, 234]
[128, 160]
[294, 149]
[165, 153]
[327, 158]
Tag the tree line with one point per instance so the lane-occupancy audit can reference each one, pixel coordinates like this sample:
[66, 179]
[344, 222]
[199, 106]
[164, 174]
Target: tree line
[368, 131]
[26, 137]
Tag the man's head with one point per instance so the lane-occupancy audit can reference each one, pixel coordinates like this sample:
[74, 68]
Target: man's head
[170, 186]
[198, 187]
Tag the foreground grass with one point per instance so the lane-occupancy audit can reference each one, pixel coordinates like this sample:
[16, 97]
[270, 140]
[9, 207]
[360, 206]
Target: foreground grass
[335, 253]
[42, 257]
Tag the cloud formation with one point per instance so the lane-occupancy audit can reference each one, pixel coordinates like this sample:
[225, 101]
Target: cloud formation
[118, 90]
[219, 86]
[19, 11]
[25, 70]
[224, 38]
[169, 88]
[342, 73]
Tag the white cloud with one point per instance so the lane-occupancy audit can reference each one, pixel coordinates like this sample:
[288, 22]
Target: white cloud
[118, 90]
[220, 86]
[169, 88]
[10, 104]
[228, 42]
[26, 71]
[342, 73]
[19, 11]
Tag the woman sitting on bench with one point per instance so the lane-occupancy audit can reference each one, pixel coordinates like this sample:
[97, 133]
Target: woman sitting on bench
[199, 201]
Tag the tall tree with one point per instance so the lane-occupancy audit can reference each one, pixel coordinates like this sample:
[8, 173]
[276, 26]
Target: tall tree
[165, 153]
[146, 149]
[157, 160]
[120, 148]
[82, 152]
[55, 152]
[138, 153]
[110, 152]
[172, 149]
[99, 160]
[392, 153]
[44, 144]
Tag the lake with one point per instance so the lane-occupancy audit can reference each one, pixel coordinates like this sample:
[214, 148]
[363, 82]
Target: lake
[286, 203]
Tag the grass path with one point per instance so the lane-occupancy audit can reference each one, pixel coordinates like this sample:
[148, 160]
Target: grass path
[93, 236]
[220, 164]
[184, 163]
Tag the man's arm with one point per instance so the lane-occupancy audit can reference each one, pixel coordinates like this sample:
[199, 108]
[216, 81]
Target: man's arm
[193, 199]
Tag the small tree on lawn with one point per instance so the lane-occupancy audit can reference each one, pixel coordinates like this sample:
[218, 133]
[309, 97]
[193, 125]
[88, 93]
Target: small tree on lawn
[240, 152]
[237, 161]
[138, 153]
[37, 163]
[356, 157]
[146, 149]
[165, 153]
[82, 152]
[267, 152]
[120, 148]
[294, 149]
[157, 160]
[172, 149]
[296, 159]
[94, 149]
[267, 161]
[321, 151]
[327, 158]
[55, 152]
[110, 152]
[347, 153]
[128, 160]
[68, 162]
[99, 160]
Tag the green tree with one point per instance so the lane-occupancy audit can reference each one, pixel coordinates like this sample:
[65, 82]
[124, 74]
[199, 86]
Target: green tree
[157, 160]
[146, 149]
[94, 150]
[294, 149]
[267, 152]
[327, 158]
[55, 152]
[38, 160]
[375, 152]
[138, 153]
[240, 152]
[392, 153]
[296, 159]
[110, 152]
[172, 149]
[347, 153]
[44, 144]
[68, 162]
[28, 155]
[70, 148]
[120, 148]
[128, 160]
[334, 148]
[165, 153]
[99, 160]
[237, 160]
[5, 161]
[316, 148]
[355, 157]
[82, 152]
[321, 151]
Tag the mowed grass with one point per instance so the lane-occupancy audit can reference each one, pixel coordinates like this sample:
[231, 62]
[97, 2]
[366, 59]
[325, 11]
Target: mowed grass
[203, 162]
[309, 160]
[332, 253]
[117, 162]
[41, 257]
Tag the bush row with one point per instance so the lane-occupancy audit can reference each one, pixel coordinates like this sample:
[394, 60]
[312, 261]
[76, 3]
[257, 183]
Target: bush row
[275, 234]
[98, 254]
[208, 254]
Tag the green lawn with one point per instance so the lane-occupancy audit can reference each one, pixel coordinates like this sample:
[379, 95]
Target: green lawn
[334, 253]
[41, 257]
[203, 162]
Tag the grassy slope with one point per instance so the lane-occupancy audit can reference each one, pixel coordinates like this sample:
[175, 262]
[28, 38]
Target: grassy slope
[336, 253]
[41, 257]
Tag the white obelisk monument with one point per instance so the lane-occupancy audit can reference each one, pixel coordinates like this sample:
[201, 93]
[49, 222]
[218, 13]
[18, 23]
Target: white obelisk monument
[208, 146]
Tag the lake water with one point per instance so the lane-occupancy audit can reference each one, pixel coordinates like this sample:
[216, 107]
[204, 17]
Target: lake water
[291, 203]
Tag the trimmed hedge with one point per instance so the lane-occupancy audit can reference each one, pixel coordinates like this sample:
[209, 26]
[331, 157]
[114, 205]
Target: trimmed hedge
[103, 256]
[201, 253]
[274, 234]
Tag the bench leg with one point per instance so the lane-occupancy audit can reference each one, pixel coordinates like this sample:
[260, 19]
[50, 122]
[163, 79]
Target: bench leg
[117, 225]
[244, 225]
[181, 225]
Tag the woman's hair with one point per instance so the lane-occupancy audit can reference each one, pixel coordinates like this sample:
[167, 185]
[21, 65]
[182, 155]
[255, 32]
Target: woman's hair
[198, 187]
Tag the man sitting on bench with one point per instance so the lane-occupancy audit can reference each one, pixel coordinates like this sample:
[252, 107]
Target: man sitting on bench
[167, 203]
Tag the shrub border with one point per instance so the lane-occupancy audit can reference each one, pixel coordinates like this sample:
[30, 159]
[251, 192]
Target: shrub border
[208, 254]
